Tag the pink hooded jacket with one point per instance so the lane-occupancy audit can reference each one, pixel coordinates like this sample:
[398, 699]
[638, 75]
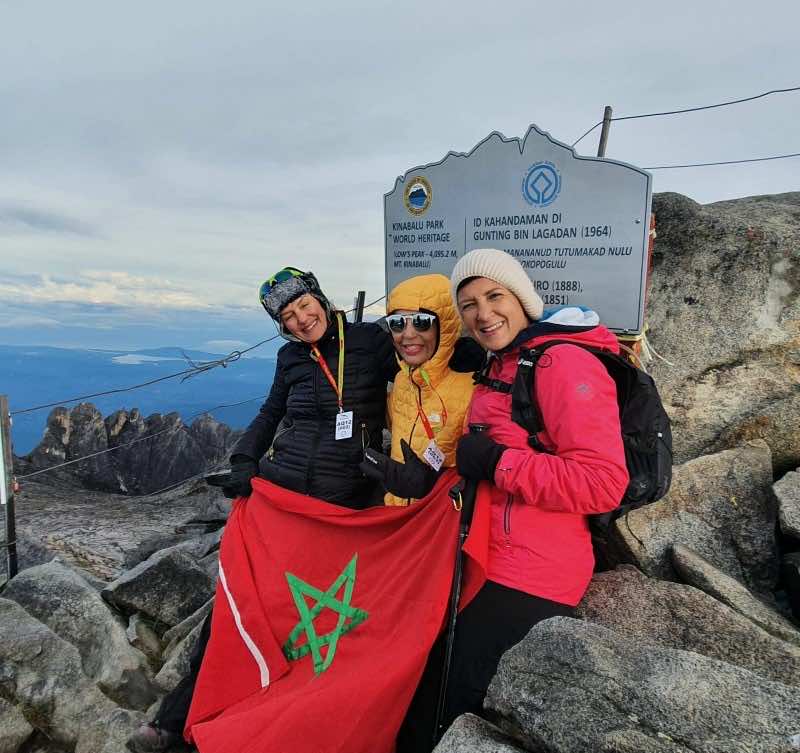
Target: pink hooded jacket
[539, 540]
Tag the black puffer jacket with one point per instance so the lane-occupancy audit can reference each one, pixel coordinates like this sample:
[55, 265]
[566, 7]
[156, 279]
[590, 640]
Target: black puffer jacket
[305, 455]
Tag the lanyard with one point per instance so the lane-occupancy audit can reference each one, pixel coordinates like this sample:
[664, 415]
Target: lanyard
[338, 388]
[426, 424]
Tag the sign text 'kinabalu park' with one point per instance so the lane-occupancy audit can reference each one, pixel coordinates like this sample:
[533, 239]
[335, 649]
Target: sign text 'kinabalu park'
[578, 225]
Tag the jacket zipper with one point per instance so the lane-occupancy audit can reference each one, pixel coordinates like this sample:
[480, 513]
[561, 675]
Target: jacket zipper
[271, 450]
[315, 443]
[507, 514]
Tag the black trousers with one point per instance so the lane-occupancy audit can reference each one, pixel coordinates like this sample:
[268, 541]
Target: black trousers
[495, 620]
[174, 706]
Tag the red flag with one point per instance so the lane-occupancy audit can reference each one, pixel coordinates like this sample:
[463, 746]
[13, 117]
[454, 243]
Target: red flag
[323, 620]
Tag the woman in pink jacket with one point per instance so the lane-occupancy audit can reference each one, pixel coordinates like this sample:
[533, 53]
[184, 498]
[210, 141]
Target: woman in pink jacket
[540, 549]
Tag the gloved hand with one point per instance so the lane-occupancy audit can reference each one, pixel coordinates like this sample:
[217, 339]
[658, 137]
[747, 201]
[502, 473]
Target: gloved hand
[243, 468]
[413, 478]
[477, 456]
[468, 356]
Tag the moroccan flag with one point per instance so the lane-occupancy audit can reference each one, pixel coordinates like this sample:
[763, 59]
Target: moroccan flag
[323, 620]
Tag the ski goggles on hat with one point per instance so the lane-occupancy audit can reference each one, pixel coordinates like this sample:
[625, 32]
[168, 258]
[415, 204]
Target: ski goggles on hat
[285, 274]
[420, 321]
[282, 288]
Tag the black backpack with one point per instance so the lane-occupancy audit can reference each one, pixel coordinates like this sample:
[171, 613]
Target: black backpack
[646, 433]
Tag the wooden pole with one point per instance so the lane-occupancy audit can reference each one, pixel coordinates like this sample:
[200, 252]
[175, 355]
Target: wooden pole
[601, 149]
[7, 487]
[359, 307]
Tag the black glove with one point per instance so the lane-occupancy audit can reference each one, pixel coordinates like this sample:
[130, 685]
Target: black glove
[468, 356]
[414, 478]
[243, 468]
[477, 456]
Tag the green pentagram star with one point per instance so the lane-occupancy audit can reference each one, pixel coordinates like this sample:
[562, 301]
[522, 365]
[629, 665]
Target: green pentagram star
[325, 600]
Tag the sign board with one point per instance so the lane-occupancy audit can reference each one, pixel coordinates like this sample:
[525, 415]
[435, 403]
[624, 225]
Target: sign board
[578, 225]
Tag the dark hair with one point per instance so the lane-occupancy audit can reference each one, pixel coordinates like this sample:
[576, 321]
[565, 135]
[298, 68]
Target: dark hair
[465, 281]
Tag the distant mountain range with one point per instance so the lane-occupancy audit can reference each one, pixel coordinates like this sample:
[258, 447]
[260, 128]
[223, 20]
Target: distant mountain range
[32, 376]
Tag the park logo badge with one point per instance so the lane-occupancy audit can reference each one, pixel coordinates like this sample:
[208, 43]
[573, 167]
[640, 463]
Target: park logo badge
[418, 195]
[541, 184]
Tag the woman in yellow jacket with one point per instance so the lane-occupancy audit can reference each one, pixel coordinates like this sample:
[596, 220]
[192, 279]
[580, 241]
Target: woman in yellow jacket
[429, 401]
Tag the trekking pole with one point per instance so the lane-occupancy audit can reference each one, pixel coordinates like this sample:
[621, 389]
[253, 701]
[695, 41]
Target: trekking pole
[463, 496]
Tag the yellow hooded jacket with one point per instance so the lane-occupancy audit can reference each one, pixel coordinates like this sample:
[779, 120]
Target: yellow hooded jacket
[442, 389]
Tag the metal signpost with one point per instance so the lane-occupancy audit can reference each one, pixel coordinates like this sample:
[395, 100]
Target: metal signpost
[578, 225]
[7, 489]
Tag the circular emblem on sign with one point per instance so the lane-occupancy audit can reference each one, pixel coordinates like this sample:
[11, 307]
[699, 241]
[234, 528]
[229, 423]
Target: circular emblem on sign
[418, 195]
[542, 184]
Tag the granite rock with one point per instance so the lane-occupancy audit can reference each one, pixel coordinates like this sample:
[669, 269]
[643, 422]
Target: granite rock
[43, 673]
[471, 734]
[572, 687]
[167, 587]
[673, 615]
[14, 727]
[58, 597]
[176, 666]
[698, 572]
[724, 313]
[720, 506]
[787, 492]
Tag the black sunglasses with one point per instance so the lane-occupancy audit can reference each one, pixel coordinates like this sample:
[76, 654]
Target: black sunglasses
[419, 321]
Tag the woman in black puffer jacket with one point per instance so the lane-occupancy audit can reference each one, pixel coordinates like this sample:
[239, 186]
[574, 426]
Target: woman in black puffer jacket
[304, 453]
[328, 369]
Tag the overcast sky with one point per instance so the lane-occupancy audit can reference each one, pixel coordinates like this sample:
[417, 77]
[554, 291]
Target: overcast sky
[159, 160]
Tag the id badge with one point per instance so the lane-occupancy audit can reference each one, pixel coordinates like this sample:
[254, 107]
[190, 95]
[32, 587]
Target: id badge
[344, 424]
[433, 455]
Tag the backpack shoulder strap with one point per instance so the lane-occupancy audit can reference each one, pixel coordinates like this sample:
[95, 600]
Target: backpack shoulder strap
[524, 408]
[482, 377]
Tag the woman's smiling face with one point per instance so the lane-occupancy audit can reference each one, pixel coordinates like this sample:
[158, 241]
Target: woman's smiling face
[413, 346]
[305, 318]
[492, 313]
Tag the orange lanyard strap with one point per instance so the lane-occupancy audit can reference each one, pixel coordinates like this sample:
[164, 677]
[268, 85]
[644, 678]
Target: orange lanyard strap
[426, 424]
[338, 388]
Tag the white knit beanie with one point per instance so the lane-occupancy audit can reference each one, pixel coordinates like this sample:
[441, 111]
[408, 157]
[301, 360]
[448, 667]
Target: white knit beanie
[503, 268]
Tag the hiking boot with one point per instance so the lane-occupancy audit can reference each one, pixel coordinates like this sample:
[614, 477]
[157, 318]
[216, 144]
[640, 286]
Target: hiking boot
[151, 739]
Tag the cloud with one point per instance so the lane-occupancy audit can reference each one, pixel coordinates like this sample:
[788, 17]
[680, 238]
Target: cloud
[377, 309]
[21, 219]
[17, 322]
[103, 288]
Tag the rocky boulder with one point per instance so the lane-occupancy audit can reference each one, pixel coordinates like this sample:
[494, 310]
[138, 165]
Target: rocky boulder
[14, 727]
[143, 637]
[110, 733]
[178, 657]
[787, 492]
[698, 572]
[43, 674]
[471, 734]
[175, 635]
[167, 587]
[724, 312]
[720, 506]
[672, 615]
[71, 608]
[573, 687]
